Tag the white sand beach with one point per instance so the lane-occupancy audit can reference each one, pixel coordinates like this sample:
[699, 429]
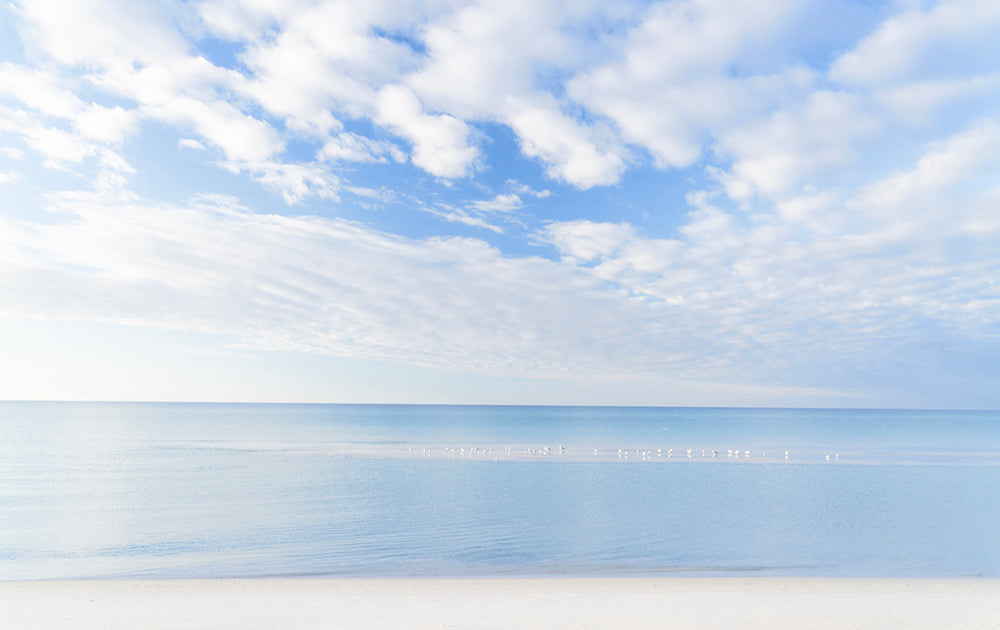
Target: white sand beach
[503, 603]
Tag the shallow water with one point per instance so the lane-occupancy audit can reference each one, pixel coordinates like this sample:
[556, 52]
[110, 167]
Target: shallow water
[186, 490]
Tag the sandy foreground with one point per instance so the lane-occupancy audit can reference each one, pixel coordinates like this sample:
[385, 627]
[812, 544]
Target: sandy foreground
[503, 603]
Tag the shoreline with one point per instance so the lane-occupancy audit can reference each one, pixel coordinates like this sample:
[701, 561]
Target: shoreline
[526, 602]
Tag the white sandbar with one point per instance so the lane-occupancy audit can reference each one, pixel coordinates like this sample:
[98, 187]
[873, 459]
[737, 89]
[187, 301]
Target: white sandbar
[503, 603]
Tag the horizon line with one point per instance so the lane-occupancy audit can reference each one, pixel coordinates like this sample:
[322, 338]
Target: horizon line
[471, 404]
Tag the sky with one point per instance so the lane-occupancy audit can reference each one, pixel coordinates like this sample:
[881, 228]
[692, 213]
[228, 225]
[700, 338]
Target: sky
[691, 202]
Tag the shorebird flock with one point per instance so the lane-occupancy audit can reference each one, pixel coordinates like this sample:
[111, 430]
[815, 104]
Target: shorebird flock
[487, 453]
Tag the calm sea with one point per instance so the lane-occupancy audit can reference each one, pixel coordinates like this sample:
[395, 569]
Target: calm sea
[100, 490]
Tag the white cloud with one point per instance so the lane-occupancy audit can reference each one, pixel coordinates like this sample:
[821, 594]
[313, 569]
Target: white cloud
[440, 142]
[237, 20]
[49, 104]
[844, 281]
[672, 87]
[108, 33]
[473, 64]
[561, 143]
[523, 189]
[309, 65]
[922, 102]
[789, 305]
[140, 56]
[777, 155]
[62, 149]
[481, 212]
[813, 208]
[328, 57]
[458, 215]
[241, 138]
[926, 71]
[175, 78]
[584, 241]
[113, 175]
[957, 162]
[106, 124]
[57, 146]
[296, 181]
[949, 38]
[39, 90]
[473, 72]
[946, 201]
[502, 203]
[190, 143]
[351, 147]
[11, 152]
[311, 284]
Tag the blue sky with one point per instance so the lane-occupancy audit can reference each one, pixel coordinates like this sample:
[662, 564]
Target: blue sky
[698, 202]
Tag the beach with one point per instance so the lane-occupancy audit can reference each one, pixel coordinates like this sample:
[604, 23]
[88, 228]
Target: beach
[549, 603]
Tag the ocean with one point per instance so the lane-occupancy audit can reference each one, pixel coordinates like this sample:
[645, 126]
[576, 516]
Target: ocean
[169, 490]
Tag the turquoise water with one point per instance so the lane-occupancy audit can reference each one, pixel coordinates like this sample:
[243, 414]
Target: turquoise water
[100, 490]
